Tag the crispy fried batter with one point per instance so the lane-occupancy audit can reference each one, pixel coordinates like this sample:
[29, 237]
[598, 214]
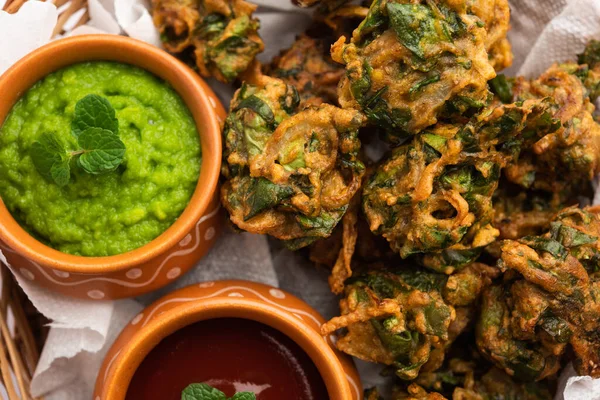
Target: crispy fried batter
[352, 242]
[567, 159]
[393, 318]
[465, 380]
[408, 65]
[406, 318]
[526, 324]
[290, 173]
[307, 66]
[324, 5]
[520, 212]
[415, 392]
[342, 268]
[221, 33]
[495, 14]
[434, 194]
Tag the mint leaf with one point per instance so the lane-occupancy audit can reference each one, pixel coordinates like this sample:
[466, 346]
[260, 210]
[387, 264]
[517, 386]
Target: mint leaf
[51, 159]
[94, 111]
[103, 150]
[61, 172]
[244, 396]
[202, 391]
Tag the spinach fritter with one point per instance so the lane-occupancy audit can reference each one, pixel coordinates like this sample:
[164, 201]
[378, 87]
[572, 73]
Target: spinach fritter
[222, 35]
[522, 212]
[410, 64]
[469, 380]
[549, 300]
[569, 158]
[433, 195]
[289, 173]
[308, 67]
[406, 317]
[495, 14]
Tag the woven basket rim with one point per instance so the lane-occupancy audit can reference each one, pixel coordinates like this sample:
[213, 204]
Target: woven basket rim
[67, 8]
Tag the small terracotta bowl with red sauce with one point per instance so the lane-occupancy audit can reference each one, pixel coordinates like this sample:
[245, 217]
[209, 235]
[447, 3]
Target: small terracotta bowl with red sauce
[235, 336]
[177, 249]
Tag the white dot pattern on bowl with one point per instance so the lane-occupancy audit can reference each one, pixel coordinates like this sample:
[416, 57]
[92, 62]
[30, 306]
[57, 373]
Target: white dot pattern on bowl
[174, 273]
[235, 294]
[96, 294]
[209, 234]
[61, 274]
[134, 273]
[278, 294]
[27, 274]
[137, 319]
[186, 240]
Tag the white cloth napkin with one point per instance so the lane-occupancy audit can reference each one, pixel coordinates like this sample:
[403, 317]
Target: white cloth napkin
[82, 331]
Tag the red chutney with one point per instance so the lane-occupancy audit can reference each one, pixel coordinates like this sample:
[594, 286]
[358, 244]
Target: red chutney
[233, 355]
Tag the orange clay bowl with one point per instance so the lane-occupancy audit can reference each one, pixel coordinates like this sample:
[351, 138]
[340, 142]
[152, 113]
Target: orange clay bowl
[226, 299]
[179, 247]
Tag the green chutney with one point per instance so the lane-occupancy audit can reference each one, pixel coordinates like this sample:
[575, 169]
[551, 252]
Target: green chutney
[113, 213]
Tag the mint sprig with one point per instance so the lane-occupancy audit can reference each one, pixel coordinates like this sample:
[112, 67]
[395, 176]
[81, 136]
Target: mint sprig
[103, 151]
[96, 129]
[203, 391]
[94, 111]
[49, 157]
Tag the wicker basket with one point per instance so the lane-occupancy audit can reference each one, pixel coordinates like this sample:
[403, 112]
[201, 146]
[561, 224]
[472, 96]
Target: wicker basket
[23, 329]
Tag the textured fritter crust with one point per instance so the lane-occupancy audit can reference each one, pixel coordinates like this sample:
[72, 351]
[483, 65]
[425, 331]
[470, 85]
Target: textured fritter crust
[410, 64]
[324, 5]
[549, 300]
[221, 34]
[467, 380]
[406, 318]
[520, 212]
[434, 194]
[289, 173]
[308, 66]
[495, 14]
[570, 157]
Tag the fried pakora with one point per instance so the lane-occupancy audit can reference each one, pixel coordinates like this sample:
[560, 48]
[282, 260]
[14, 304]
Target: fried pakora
[406, 317]
[549, 300]
[324, 5]
[289, 173]
[522, 212]
[222, 35]
[307, 64]
[463, 380]
[352, 242]
[410, 64]
[414, 392]
[433, 195]
[308, 67]
[495, 14]
[569, 158]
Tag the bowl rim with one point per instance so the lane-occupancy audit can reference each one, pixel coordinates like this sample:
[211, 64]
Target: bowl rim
[190, 87]
[121, 369]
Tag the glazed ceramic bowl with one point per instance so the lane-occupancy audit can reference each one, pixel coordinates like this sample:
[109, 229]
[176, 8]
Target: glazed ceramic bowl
[226, 299]
[179, 247]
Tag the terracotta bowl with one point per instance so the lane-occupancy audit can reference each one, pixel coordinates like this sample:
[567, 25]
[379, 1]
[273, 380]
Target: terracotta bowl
[226, 299]
[179, 247]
